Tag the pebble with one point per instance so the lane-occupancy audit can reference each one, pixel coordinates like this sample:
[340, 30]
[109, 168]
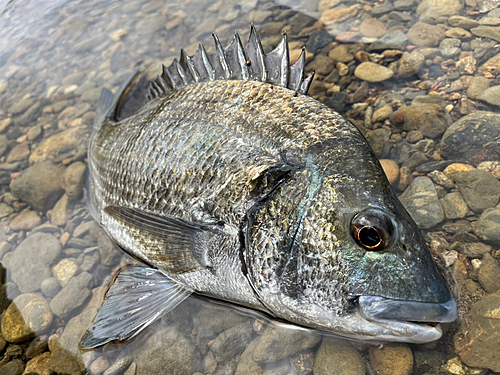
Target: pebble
[277, 343]
[72, 296]
[477, 85]
[3, 86]
[479, 188]
[336, 15]
[39, 365]
[231, 342]
[64, 271]
[120, 365]
[409, 64]
[14, 367]
[489, 274]
[26, 220]
[379, 141]
[28, 315]
[372, 72]
[59, 214]
[475, 249]
[382, 114]
[373, 28]
[50, 147]
[5, 210]
[441, 179]
[336, 356]
[488, 226]
[100, 365]
[451, 170]
[40, 185]
[474, 341]
[41, 249]
[391, 170]
[458, 33]
[425, 35]
[438, 10]
[490, 32]
[428, 118]
[454, 206]
[490, 95]
[391, 359]
[422, 203]
[462, 22]
[341, 54]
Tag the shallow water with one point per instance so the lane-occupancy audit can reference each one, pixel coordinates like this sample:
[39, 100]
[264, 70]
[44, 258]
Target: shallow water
[57, 56]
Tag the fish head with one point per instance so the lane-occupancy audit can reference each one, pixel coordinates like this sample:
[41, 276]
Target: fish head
[351, 259]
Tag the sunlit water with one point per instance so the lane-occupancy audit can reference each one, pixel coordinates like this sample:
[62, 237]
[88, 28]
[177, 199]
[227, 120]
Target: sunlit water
[57, 56]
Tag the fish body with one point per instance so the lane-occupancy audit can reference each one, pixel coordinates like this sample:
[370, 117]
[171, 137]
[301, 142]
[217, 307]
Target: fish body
[232, 183]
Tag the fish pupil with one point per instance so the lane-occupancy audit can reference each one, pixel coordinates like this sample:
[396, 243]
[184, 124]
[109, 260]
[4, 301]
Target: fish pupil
[369, 237]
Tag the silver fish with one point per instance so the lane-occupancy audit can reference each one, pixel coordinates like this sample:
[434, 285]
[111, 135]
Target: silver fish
[231, 182]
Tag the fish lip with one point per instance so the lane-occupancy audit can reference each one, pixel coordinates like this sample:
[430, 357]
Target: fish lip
[386, 309]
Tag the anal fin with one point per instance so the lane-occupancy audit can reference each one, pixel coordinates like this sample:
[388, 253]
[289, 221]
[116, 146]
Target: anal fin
[172, 244]
[138, 297]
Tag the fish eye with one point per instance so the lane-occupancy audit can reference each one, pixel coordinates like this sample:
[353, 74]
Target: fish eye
[372, 230]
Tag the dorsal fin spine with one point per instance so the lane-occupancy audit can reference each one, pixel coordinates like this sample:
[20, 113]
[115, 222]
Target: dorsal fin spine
[235, 62]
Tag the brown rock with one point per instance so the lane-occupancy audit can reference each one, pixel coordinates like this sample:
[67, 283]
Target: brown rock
[39, 365]
[451, 170]
[26, 220]
[392, 359]
[49, 148]
[332, 16]
[425, 35]
[489, 274]
[74, 179]
[59, 214]
[391, 170]
[372, 28]
[18, 153]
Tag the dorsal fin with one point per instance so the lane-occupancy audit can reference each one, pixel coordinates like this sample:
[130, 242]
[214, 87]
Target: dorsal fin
[248, 63]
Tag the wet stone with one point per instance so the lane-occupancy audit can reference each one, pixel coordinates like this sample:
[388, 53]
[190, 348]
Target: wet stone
[371, 72]
[39, 365]
[277, 343]
[489, 274]
[317, 40]
[438, 10]
[379, 141]
[425, 35]
[490, 166]
[37, 346]
[488, 226]
[449, 47]
[422, 203]
[39, 185]
[476, 86]
[212, 320]
[72, 296]
[5, 210]
[64, 271]
[409, 64]
[50, 148]
[392, 359]
[26, 220]
[441, 179]
[428, 118]
[479, 188]
[118, 366]
[451, 170]
[475, 250]
[100, 365]
[454, 206]
[490, 95]
[339, 357]
[15, 367]
[373, 28]
[41, 249]
[4, 144]
[321, 64]
[474, 341]
[231, 342]
[490, 32]
[462, 22]
[466, 137]
[27, 315]
[341, 54]
[75, 329]
[391, 170]
[168, 350]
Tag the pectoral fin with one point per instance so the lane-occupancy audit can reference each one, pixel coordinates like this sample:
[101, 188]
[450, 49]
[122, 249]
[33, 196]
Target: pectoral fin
[138, 297]
[178, 246]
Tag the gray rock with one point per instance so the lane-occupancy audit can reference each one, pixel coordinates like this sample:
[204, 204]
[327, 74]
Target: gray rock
[168, 352]
[40, 185]
[5, 210]
[422, 203]
[468, 136]
[428, 118]
[476, 86]
[382, 8]
[490, 95]
[30, 262]
[379, 141]
[72, 295]
[317, 40]
[488, 225]
[4, 144]
[119, 366]
[14, 367]
[212, 320]
[409, 64]
[454, 206]
[462, 22]
[450, 47]
[278, 342]
[74, 179]
[232, 342]
[75, 329]
[474, 341]
[438, 10]
[336, 356]
[489, 274]
[479, 188]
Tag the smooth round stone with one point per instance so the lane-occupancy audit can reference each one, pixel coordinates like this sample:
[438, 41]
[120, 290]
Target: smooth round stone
[451, 170]
[391, 170]
[372, 72]
[372, 28]
[488, 225]
[338, 357]
[64, 271]
[26, 220]
[28, 315]
[50, 287]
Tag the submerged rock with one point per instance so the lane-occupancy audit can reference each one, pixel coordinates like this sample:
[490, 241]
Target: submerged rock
[422, 203]
[488, 226]
[392, 359]
[336, 356]
[479, 188]
[41, 249]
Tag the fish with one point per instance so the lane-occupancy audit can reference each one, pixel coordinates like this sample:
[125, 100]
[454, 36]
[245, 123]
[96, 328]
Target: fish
[231, 182]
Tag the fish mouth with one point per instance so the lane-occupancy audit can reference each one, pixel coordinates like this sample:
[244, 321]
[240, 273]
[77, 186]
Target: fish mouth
[380, 309]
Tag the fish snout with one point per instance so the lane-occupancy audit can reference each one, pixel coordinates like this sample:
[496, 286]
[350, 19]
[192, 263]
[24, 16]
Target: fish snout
[380, 308]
